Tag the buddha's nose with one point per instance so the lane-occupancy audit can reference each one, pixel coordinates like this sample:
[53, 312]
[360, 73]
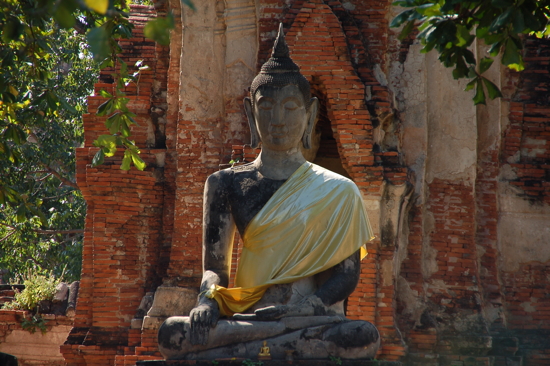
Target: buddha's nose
[278, 116]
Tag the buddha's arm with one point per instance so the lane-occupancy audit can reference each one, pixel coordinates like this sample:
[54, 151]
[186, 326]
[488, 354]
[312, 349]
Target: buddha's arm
[342, 282]
[218, 233]
[338, 287]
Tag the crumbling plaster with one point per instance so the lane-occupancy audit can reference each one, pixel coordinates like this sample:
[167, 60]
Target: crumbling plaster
[523, 230]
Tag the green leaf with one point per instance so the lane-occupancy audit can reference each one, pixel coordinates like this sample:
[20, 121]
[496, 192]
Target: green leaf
[15, 134]
[511, 53]
[401, 18]
[126, 160]
[495, 49]
[12, 29]
[479, 98]
[108, 142]
[98, 39]
[461, 70]
[492, 89]
[406, 30]
[124, 30]
[429, 10]
[470, 85]
[464, 36]
[518, 22]
[105, 108]
[40, 214]
[120, 104]
[105, 94]
[530, 19]
[159, 29]
[52, 100]
[113, 123]
[63, 14]
[501, 3]
[99, 6]
[484, 64]
[21, 213]
[481, 32]
[125, 126]
[66, 105]
[469, 57]
[501, 20]
[99, 157]
[517, 67]
[136, 159]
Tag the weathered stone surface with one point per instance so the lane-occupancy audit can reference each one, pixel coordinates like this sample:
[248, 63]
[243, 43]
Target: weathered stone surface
[36, 347]
[172, 301]
[317, 362]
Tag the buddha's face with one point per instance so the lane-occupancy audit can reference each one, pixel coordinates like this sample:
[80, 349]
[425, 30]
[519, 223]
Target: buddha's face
[281, 116]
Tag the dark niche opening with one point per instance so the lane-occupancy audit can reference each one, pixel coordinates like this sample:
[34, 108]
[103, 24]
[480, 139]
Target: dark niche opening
[327, 155]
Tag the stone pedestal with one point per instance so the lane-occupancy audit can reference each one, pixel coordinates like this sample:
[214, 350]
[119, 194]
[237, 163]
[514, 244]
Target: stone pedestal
[173, 301]
[239, 361]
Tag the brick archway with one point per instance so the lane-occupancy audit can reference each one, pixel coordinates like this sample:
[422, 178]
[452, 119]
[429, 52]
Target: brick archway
[318, 45]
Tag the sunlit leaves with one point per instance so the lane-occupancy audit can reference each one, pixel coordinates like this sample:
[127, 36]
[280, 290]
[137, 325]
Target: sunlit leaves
[159, 29]
[99, 6]
[484, 64]
[46, 73]
[99, 41]
[492, 89]
[450, 27]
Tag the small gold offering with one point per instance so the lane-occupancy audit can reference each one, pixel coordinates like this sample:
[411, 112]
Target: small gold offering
[264, 352]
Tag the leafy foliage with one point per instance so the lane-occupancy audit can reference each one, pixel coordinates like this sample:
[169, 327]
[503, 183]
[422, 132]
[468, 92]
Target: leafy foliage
[451, 26]
[34, 321]
[37, 288]
[51, 52]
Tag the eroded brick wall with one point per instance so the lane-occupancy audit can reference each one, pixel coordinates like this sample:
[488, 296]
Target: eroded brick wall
[33, 348]
[124, 235]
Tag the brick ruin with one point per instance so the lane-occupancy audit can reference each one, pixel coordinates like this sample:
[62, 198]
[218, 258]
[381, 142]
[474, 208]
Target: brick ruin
[459, 196]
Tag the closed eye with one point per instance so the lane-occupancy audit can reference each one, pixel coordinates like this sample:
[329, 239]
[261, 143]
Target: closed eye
[265, 104]
[291, 105]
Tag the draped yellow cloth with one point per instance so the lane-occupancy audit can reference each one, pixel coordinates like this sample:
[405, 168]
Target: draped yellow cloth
[314, 221]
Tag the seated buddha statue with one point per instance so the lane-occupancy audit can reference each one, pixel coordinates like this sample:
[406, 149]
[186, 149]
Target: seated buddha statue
[304, 230]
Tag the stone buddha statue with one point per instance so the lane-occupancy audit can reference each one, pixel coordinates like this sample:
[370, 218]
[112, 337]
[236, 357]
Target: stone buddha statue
[304, 230]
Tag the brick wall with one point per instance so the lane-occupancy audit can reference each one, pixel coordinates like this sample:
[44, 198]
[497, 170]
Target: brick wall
[124, 235]
[33, 348]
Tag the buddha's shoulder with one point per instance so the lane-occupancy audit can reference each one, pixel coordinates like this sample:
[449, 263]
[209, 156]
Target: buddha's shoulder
[229, 174]
[330, 176]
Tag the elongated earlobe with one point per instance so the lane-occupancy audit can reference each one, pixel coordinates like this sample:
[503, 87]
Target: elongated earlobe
[311, 121]
[254, 136]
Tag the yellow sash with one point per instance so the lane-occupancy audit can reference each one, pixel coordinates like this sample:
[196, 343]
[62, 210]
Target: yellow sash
[314, 221]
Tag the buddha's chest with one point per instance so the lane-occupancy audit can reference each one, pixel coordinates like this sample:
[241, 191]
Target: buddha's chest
[247, 194]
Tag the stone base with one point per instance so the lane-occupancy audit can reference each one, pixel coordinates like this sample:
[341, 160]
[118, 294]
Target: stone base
[235, 362]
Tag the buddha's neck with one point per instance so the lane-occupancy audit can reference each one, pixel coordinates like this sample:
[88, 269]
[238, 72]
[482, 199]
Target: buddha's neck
[279, 165]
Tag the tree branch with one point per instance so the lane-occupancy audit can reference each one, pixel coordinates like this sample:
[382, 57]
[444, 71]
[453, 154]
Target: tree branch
[7, 236]
[72, 231]
[63, 180]
[39, 231]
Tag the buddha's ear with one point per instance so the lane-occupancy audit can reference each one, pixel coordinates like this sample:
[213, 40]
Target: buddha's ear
[254, 136]
[311, 120]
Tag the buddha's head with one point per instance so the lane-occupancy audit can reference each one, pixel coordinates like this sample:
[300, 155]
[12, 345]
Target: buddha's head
[280, 110]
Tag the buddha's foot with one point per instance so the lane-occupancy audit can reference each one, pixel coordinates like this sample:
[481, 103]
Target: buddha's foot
[308, 337]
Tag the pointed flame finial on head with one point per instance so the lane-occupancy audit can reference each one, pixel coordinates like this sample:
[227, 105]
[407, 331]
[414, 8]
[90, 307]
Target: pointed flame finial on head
[280, 70]
[280, 48]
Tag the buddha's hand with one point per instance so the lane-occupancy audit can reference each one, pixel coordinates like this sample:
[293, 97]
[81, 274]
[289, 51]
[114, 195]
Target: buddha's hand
[308, 306]
[203, 317]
